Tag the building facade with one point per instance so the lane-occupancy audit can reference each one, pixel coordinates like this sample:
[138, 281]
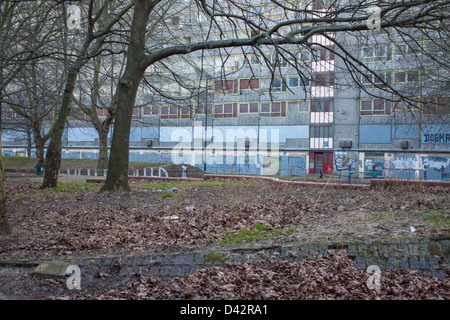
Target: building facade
[297, 112]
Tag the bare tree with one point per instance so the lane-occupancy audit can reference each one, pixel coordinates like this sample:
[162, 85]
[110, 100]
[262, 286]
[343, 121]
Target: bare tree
[33, 96]
[97, 99]
[23, 33]
[101, 17]
[252, 28]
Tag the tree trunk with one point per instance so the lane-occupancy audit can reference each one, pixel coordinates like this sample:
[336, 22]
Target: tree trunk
[102, 162]
[53, 156]
[4, 225]
[39, 145]
[117, 178]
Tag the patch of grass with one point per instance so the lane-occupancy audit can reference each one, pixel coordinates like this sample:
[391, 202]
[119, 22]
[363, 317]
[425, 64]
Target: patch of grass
[216, 257]
[258, 232]
[14, 199]
[437, 218]
[160, 185]
[74, 187]
[170, 195]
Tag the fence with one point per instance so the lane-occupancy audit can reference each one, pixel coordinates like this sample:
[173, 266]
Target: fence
[399, 173]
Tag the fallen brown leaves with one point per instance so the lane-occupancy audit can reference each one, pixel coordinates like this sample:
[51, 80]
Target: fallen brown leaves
[333, 276]
[51, 223]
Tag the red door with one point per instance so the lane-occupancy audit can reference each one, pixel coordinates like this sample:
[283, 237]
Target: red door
[321, 162]
[328, 162]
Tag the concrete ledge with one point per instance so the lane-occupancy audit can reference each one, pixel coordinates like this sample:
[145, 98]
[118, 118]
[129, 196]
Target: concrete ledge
[296, 182]
[218, 176]
[390, 182]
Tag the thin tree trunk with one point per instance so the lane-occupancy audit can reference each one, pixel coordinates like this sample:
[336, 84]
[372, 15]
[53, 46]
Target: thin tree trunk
[117, 178]
[53, 156]
[39, 145]
[102, 162]
[4, 224]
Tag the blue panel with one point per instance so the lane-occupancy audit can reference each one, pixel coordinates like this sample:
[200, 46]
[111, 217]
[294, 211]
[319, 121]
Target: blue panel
[405, 132]
[284, 161]
[135, 134]
[89, 155]
[70, 155]
[297, 166]
[150, 132]
[82, 134]
[375, 134]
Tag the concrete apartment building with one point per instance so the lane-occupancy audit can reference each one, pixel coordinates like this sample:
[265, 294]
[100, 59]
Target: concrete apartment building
[232, 116]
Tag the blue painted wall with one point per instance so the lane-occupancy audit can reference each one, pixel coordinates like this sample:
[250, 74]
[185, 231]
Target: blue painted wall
[375, 134]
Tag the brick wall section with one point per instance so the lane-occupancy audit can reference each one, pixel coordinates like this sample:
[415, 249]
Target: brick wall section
[425, 255]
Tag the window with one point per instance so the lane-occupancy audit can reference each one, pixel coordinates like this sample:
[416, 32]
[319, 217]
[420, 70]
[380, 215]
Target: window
[227, 110]
[273, 109]
[136, 113]
[411, 76]
[436, 105]
[323, 80]
[226, 86]
[151, 111]
[276, 85]
[322, 106]
[380, 78]
[435, 49]
[249, 107]
[229, 63]
[246, 84]
[322, 54]
[294, 82]
[102, 112]
[279, 85]
[377, 53]
[169, 112]
[407, 49]
[375, 107]
[278, 60]
[186, 112]
[202, 109]
[321, 132]
[252, 59]
[298, 106]
[301, 56]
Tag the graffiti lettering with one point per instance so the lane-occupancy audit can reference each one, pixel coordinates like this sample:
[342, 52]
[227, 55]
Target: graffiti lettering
[437, 138]
[342, 162]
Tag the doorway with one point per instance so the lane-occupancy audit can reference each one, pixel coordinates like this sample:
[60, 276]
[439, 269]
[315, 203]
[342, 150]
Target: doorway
[320, 162]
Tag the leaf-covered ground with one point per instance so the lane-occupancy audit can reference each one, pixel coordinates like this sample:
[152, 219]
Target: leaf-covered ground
[330, 277]
[74, 220]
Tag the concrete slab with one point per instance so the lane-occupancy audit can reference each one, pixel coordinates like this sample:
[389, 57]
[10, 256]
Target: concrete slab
[52, 269]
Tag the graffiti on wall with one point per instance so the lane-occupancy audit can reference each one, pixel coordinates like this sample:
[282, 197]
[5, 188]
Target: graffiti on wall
[436, 138]
[297, 165]
[405, 163]
[343, 160]
[434, 162]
